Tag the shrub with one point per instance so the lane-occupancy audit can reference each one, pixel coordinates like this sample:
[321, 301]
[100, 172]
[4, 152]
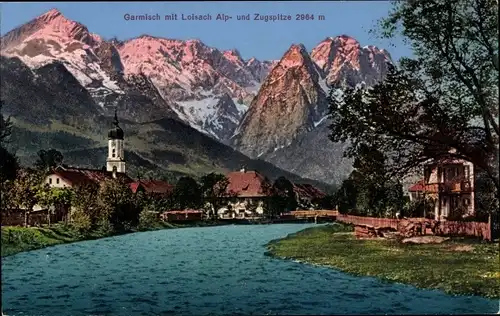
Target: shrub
[147, 219]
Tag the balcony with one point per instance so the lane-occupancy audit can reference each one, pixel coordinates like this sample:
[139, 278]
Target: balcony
[450, 186]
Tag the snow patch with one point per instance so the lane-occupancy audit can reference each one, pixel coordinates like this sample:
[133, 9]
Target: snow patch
[320, 121]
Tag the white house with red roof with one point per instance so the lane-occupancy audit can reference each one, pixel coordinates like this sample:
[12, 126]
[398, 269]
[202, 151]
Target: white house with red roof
[152, 187]
[248, 191]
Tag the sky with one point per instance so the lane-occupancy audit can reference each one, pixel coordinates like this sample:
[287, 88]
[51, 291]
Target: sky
[259, 39]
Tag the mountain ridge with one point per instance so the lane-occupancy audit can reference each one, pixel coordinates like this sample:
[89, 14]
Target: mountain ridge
[266, 109]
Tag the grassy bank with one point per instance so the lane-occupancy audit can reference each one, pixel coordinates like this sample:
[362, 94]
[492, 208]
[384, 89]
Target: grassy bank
[456, 266]
[20, 239]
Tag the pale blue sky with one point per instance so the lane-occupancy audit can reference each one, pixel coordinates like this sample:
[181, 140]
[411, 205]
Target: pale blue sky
[252, 38]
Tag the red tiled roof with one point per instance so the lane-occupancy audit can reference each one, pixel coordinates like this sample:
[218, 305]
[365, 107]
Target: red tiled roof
[307, 191]
[417, 187]
[152, 186]
[246, 184]
[78, 176]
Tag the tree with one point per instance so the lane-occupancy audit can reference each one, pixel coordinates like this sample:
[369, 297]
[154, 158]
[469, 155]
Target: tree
[48, 159]
[8, 162]
[147, 219]
[441, 104]
[9, 165]
[273, 202]
[116, 206]
[5, 127]
[25, 191]
[187, 193]
[85, 209]
[214, 190]
[57, 198]
[285, 194]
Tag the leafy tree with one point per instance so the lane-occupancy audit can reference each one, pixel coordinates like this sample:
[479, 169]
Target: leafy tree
[486, 202]
[48, 159]
[5, 127]
[214, 190]
[58, 198]
[117, 209]
[187, 193]
[285, 194]
[324, 203]
[147, 219]
[25, 191]
[9, 165]
[8, 162]
[346, 197]
[273, 202]
[441, 104]
[84, 200]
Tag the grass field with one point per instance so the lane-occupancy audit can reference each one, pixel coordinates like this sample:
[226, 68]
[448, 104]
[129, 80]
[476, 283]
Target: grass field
[457, 266]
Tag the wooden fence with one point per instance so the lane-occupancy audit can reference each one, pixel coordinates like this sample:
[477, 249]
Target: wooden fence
[446, 228]
[314, 213]
[38, 218]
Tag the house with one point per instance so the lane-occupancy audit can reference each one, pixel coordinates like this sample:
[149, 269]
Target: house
[156, 187]
[248, 191]
[69, 177]
[450, 184]
[415, 191]
[305, 194]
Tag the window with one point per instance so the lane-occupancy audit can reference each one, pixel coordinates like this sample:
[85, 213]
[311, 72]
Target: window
[114, 151]
[50, 180]
[466, 201]
[57, 180]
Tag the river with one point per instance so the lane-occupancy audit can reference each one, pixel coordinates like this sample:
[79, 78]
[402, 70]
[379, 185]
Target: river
[202, 271]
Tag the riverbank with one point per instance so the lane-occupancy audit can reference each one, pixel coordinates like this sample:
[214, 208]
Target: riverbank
[20, 239]
[458, 266]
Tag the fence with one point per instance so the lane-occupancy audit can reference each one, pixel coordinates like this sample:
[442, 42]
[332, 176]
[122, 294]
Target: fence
[16, 218]
[446, 228]
[313, 213]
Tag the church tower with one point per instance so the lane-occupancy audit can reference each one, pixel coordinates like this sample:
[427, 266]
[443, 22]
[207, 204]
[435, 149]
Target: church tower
[116, 157]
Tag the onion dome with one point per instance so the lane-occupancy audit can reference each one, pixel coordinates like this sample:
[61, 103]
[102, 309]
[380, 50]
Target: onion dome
[116, 132]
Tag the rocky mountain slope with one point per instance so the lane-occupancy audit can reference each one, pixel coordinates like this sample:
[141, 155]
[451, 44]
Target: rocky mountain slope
[148, 77]
[62, 82]
[287, 123]
[50, 108]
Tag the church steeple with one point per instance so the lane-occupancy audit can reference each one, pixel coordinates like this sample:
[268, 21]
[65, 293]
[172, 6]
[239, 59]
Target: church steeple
[116, 132]
[116, 153]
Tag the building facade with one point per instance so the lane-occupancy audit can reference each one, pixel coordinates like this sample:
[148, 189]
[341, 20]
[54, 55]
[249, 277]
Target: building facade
[247, 192]
[450, 184]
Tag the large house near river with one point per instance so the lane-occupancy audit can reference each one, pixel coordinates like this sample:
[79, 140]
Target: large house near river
[450, 184]
[247, 191]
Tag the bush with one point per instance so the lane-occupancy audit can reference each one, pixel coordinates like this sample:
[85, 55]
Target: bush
[147, 219]
[81, 222]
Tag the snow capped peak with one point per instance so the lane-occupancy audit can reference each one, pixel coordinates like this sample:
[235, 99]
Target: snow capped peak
[343, 57]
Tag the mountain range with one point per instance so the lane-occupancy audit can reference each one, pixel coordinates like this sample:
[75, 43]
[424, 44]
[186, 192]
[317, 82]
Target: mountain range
[186, 107]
